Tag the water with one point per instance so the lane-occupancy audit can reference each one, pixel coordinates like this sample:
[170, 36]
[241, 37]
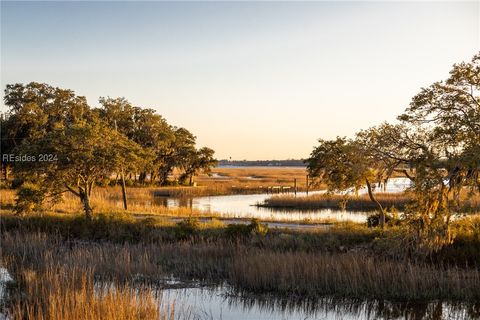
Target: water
[243, 206]
[192, 301]
[222, 303]
[5, 278]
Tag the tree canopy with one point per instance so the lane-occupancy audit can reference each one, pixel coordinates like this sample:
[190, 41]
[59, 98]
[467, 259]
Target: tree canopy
[436, 144]
[72, 146]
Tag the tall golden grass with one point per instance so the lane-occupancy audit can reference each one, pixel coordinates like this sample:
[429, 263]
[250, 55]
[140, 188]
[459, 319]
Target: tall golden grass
[52, 281]
[322, 201]
[109, 200]
[469, 203]
[341, 262]
[255, 177]
[59, 294]
[352, 275]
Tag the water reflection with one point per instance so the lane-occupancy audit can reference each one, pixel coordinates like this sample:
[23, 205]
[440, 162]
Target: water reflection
[222, 303]
[243, 206]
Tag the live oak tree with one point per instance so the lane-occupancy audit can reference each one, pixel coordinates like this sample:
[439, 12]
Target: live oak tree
[143, 126]
[445, 118]
[88, 145]
[197, 161]
[34, 110]
[81, 155]
[343, 165]
[436, 145]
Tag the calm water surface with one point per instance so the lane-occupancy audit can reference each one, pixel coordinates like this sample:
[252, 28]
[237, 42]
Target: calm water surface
[220, 303]
[243, 206]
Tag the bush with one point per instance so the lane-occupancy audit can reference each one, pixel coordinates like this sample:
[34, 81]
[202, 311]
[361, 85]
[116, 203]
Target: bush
[187, 228]
[105, 182]
[246, 230]
[29, 198]
[391, 219]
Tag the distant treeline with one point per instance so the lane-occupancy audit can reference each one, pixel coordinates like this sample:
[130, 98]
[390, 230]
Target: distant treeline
[262, 163]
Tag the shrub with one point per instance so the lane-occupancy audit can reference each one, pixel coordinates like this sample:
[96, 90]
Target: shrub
[391, 218]
[29, 198]
[104, 182]
[187, 228]
[246, 230]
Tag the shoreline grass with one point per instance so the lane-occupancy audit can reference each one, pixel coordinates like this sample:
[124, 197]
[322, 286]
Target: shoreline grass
[346, 261]
[142, 204]
[332, 201]
[354, 203]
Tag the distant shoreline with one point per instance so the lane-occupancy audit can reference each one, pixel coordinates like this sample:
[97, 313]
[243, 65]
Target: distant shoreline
[261, 163]
[259, 166]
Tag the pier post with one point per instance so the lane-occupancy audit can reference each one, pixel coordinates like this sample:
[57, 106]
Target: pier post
[307, 184]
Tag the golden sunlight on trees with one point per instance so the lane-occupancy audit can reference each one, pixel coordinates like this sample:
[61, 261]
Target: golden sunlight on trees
[436, 144]
[64, 145]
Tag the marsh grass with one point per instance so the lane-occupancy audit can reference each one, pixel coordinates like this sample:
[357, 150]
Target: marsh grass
[55, 280]
[344, 261]
[469, 203]
[241, 179]
[352, 275]
[61, 294]
[332, 201]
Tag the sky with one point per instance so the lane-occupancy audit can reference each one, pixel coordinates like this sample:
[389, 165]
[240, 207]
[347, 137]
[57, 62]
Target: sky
[252, 80]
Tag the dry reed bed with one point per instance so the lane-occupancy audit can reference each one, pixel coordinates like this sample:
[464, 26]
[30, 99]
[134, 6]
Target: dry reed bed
[260, 265]
[352, 275]
[469, 203]
[323, 201]
[59, 293]
[57, 281]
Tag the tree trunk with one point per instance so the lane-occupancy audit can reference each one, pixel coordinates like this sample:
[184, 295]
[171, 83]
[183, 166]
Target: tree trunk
[372, 197]
[152, 177]
[124, 191]
[191, 180]
[142, 177]
[86, 204]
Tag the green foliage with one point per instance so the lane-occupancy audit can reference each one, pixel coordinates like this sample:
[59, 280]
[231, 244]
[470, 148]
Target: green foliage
[194, 161]
[339, 163]
[187, 228]
[242, 231]
[29, 198]
[85, 146]
[345, 165]
[436, 145]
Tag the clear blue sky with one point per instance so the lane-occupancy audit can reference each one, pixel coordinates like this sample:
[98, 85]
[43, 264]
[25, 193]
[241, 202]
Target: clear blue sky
[253, 80]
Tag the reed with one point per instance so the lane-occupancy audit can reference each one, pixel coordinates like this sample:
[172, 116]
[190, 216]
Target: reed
[332, 201]
[352, 275]
[52, 281]
[59, 294]
[254, 267]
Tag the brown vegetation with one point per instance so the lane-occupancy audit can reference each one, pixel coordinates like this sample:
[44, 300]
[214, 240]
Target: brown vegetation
[346, 261]
[470, 203]
[333, 201]
[52, 281]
